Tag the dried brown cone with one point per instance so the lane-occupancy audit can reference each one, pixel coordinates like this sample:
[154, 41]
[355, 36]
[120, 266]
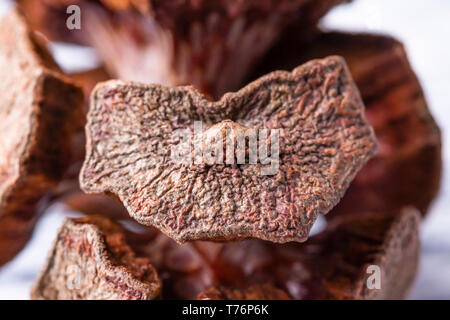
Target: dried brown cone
[91, 260]
[40, 109]
[407, 169]
[324, 140]
[209, 44]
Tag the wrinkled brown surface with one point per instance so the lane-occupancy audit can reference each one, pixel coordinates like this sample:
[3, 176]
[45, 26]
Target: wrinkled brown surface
[209, 44]
[257, 292]
[91, 260]
[324, 140]
[39, 110]
[87, 80]
[407, 169]
[331, 265]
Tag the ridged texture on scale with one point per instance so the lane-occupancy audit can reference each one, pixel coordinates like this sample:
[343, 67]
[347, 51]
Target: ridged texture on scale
[324, 139]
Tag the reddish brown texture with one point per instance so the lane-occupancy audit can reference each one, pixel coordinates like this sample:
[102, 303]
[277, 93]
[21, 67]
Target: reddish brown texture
[88, 79]
[324, 140]
[39, 111]
[91, 204]
[331, 265]
[68, 191]
[209, 44]
[407, 169]
[91, 260]
[257, 292]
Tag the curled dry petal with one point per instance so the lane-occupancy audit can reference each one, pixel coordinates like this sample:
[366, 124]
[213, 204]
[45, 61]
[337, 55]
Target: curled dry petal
[324, 139]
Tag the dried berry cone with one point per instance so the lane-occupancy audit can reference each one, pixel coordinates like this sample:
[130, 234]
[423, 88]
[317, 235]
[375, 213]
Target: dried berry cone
[91, 260]
[331, 265]
[407, 169]
[256, 292]
[39, 111]
[210, 44]
[324, 139]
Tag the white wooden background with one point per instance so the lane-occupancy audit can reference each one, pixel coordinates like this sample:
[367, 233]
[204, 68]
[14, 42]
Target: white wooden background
[424, 26]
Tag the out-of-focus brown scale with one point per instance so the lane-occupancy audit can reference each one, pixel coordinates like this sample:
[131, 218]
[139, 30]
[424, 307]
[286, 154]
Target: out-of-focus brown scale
[407, 171]
[330, 265]
[40, 111]
[209, 44]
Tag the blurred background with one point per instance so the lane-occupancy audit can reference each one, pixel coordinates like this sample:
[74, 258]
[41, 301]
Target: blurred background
[423, 26]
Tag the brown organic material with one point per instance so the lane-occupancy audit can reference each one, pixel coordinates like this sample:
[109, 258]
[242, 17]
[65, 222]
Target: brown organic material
[407, 169]
[209, 44]
[324, 140]
[88, 79]
[331, 265]
[39, 111]
[93, 204]
[257, 292]
[69, 191]
[91, 260]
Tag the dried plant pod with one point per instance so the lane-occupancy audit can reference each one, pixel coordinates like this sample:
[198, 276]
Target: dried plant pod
[324, 139]
[407, 170]
[256, 292]
[91, 260]
[209, 44]
[40, 109]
